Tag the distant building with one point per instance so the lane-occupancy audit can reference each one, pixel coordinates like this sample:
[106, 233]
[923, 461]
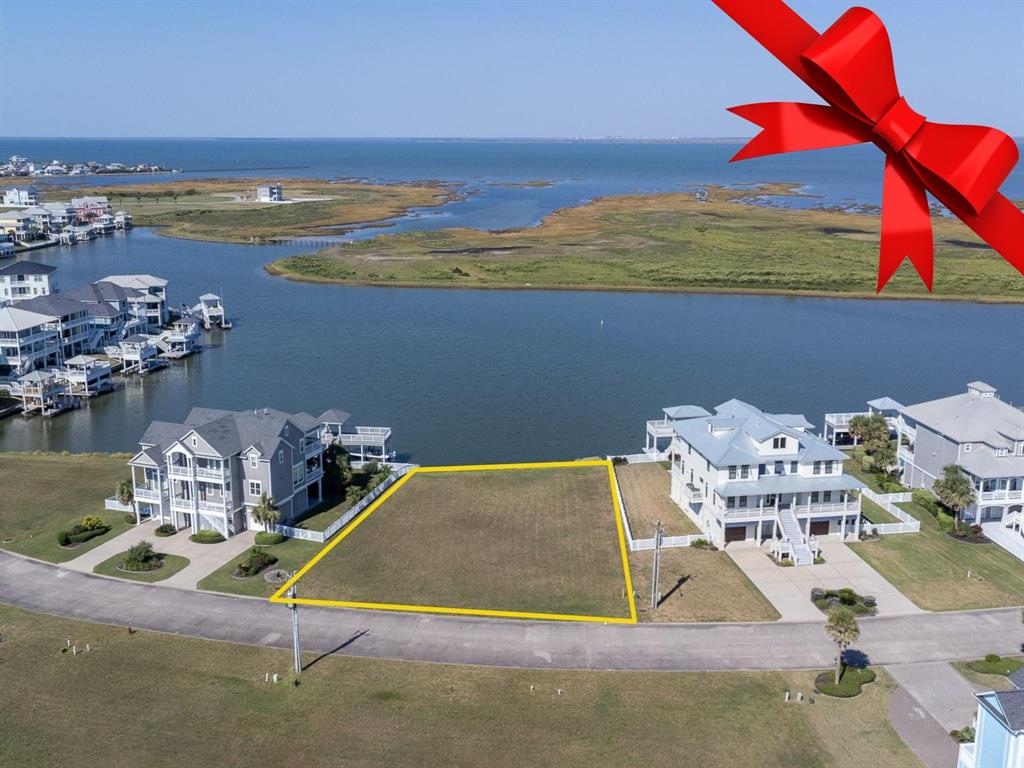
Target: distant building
[26, 342]
[271, 193]
[26, 280]
[18, 226]
[18, 197]
[998, 732]
[6, 249]
[89, 208]
[61, 214]
[149, 303]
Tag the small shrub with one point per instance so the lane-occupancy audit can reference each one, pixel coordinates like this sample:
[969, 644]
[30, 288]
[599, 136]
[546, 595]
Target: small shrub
[130, 518]
[819, 560]
[165, 530]
[268, 539]
[141, 557]
[254, 562]
[822, 604]
[787, 562]
[91, 523]
[619, 460]
[206, 537]
[847, 596]
[704, 544]
[817, 593]
[992, 658]
[63, 538]
[82, 535]
[850, 682]
[371, 468]
[964, 735]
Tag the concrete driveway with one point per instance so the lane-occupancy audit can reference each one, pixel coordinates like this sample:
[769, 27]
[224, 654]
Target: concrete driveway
[203, 559]
[789, 589]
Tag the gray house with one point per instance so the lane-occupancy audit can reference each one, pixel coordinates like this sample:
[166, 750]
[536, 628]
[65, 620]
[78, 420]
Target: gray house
[980, 433]
[209, 472]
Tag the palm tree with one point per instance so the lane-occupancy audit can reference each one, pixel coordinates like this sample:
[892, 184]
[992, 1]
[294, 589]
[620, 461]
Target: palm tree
[125, 493]
[266, 512]
[843, 630]
[955, 490]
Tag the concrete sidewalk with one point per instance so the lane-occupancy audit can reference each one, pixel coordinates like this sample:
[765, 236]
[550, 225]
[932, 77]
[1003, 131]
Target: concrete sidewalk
[203, 559]
[789, 589]
[944, 693]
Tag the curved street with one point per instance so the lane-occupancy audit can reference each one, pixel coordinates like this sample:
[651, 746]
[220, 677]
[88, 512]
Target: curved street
[56, 590]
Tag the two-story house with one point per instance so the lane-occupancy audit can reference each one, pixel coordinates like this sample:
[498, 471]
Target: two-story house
[980, 433]
[90, 207]
[149, 301]
[27, 342]
[71, 320]
[112, 316]
[745, 475]
[209, 472]
[26, 280]
[20, 197]
[998, 732]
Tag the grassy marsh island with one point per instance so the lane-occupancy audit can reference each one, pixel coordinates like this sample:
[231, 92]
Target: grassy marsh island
[669, 242]
[226, 210]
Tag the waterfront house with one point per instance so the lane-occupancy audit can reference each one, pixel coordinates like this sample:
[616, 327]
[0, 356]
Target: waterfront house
[25, 280]
[837, 425]
[18, 226]
[211, 310]
[362, 444]
[61, 214]
[6, 248]
[71, 319]
[112, 314]
[90, 207]
[150, 303]
[136, 353]
[41, 220]
[742, 474]
[998, 732]
[43, 392]
[20, 197]
[27, 342]
[122, 220]
[103, 224]
[270, 193]
[86, 376]
[181, 339]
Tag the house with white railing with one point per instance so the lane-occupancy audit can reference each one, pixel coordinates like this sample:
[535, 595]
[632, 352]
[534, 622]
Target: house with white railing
[744, 475]
[210, 471]
[25, 280]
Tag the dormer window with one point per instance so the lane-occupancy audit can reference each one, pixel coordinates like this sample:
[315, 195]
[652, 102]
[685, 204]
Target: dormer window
[280, 456]
[1000, 451]
[286, 430]
[967, 447]
[778, 442]
[1020, 449]
[253, 461]
[194, 442]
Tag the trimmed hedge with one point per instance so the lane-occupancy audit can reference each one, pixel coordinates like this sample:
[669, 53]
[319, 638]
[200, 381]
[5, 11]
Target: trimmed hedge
[850, 682]
[90, 533]
[269, 538]
[167, 529]
[207, 537]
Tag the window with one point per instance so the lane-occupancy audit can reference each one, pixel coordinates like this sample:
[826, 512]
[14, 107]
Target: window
[778, 442]
[743, 501]
[761, 470]
[732, 472]
[255, 488]
[817, 467]
[280, 456]
[298, 474]
[1020, 449]
[708, 463]
[814, 497]
[827, 495]
[829, 467]
[730, 502]
[967, 447]
[792, 467]
[745, 471]
[193, 441]
[253, 461]
[1000, 451]
[780, 467]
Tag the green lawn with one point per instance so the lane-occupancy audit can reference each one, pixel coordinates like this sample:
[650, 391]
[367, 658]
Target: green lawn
[931, 568]
[991, 677]
[852, 467]
[645, 489]
[874, 513]
[164, 696]
[534, 540]
[171, 565]
[46, 493]
[669, 242]
[291, 554]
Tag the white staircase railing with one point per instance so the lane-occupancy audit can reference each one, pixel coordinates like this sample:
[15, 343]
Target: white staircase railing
[801, 552]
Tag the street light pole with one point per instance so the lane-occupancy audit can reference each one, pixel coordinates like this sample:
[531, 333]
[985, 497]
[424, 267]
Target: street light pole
[658, 531]
[294, 607]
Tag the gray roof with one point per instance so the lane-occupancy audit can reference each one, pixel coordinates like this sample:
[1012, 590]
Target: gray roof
[54, 304]
[684, 412]
[137, 338]
[789, 484]
[27, 268]
[150, 457]
[82, 360]
[103, 310]
[886, 404]
[732, 436]
[334, 416]
[1017, 678]
[162, 433]
[983, 463]
[981, 386]
[970, 418]
[1008, 706]
[15, 319]
[102, 291]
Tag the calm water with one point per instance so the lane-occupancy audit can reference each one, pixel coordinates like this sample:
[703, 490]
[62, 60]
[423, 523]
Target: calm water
[467, 376]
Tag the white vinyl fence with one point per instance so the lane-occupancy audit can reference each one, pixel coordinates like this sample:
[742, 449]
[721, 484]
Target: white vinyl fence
[639, 545]
[350, 514]
[888, 501]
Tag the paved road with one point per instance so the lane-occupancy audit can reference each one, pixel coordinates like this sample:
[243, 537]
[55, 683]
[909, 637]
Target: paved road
[921, 732]
[497, 642]
[944, 693]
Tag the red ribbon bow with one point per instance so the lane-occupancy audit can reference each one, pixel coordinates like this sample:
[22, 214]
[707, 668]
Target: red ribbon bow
[850, 66]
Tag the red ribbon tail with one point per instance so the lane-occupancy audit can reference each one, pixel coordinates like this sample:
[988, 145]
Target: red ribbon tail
[793, 127]
[1000, 224]
[906, 223]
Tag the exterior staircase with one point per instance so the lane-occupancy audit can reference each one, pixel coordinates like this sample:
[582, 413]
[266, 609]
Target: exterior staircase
[801, 552]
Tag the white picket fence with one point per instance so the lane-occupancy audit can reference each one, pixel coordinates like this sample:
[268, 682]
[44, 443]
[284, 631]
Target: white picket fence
[888, 501]
[350, 514]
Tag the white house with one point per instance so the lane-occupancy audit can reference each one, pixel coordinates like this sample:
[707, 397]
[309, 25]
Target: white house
[27, 342]
[25, 280]
[745, 475]
[270, 193]
[998, 732]
[20, 198]
[149, 303]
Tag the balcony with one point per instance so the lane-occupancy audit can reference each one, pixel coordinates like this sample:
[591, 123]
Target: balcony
[211, 473]
[660, 428]
[312, 475]
[693, 492]
[213, 505]
[179, 470]
[183, 505]
[312, 448]
[1002, 495]
[150, 493]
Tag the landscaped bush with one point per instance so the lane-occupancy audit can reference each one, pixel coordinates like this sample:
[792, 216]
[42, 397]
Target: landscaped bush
[130, 519]
[924, 499]
[78, 535]
[269, 538]
[850, 682]
[619, 460]
[141, 557]
[964, 735]
[167, 529]
[254, 562]
[91, 523]
[63, 538]
[206, 537]
[991, 658]
[993, 664]
[826, 599]
[704, 544]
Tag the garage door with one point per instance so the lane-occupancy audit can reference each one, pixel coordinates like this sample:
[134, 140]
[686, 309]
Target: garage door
[819, 527]
[735, 533]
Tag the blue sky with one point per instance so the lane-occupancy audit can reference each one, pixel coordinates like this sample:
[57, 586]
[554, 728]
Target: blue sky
[471, 69]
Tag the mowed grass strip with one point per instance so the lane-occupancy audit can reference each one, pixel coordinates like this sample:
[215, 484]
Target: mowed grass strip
[46, 493]
[528, 540]
[697, 585]
[645, 495]
[363, 712]
[931, 568]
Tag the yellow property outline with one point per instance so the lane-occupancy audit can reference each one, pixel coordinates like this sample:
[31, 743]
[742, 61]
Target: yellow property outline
[280, 596]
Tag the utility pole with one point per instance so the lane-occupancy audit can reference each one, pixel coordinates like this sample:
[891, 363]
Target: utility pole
[655, 594]
[292, 593]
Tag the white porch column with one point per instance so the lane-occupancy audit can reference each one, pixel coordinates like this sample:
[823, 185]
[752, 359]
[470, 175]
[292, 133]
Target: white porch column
[842, 526]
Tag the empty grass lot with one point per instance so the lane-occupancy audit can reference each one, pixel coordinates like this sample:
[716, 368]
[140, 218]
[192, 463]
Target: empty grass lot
[697, 585]
[645, 489]
[361, 712]
[46, 493]
[931, 568]
[535, 540]
[291, 555]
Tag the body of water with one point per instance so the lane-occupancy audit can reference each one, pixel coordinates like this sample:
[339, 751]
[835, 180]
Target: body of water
[482, 376]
